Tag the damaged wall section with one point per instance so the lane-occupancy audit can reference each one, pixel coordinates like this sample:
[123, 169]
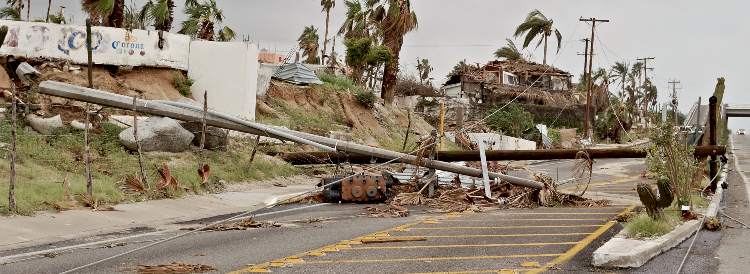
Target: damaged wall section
[111, 46]
[228, 71]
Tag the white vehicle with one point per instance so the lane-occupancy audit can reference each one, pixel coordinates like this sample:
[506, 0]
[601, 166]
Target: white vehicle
[741, 131]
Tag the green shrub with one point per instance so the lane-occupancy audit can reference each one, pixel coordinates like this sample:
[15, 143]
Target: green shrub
[513, 120]
[338, 83]
[365, 98]
[182, 84]
[642, 226]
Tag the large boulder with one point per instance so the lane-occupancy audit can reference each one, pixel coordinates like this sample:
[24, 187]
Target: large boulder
[158, 134]
[216, 138]
[44, 125]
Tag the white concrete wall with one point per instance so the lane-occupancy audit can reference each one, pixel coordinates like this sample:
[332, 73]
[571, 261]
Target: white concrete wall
[229, 72]
[494, 141]
[111, 46]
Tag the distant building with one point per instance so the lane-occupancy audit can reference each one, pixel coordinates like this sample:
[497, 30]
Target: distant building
[267, 57]
[500, 81]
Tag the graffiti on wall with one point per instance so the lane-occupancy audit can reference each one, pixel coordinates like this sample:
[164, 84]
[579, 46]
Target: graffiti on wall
[112, 46]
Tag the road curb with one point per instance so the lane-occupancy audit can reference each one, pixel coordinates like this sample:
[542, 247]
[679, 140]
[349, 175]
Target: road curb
[620, 252]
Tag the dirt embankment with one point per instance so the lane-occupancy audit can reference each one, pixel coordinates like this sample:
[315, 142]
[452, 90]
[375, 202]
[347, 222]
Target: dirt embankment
[321, 110]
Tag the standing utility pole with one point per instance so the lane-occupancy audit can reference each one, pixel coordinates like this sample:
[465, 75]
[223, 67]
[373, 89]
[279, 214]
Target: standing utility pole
[674, 100]
[587, 123]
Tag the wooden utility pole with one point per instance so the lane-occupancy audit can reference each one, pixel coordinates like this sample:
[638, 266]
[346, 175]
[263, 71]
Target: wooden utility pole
[144, 179]
[645, 68]
[86, 155]
[674, 99]
[12, 184]
[587, 123]
[203, 120]
[586, 78]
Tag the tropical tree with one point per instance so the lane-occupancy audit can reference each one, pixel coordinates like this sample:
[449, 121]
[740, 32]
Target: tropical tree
[357, 23]
[460, 67]
[393, 20]
[159, 13]
[202, 19]
[309, 44]
[537, 24]
[364, 55]
[327, 6]
[424, 68]
[619, 73]
[509, 52]
[111, 13]
[226, 34]
[134, 18]
[12, 11]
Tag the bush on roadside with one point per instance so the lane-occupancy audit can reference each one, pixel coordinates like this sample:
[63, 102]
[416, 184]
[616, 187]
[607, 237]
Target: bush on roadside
[182, 83]
[642, 226]
[365, 98]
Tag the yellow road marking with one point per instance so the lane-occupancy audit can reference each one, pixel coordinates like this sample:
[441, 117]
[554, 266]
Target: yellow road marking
[496, 227]
[559, 213]
[501, 271]
[460, 246]
[531, 264]
[582, 219]
[453, 258]
[503, 235]
[580, 246]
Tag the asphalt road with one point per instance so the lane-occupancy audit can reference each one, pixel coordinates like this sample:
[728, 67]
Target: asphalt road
[327, 239]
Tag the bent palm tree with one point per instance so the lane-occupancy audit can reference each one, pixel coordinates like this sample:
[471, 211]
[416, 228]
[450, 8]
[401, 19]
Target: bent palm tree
[327, 6]
[509, 52]
[394, 19]
[620, 73]
[537, 24]
[202, 19]
[356, 24]
[111, 13]
[424, 68]
[308, 43]
[161, 14]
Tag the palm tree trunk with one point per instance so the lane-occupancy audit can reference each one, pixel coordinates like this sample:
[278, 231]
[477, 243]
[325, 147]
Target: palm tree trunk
[49, 5]
[28, 10]
[545, 51]
[325, 38]
[394, 43]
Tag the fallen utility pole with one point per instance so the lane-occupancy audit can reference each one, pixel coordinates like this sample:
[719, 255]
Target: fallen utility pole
[311, 158]
[190, 113]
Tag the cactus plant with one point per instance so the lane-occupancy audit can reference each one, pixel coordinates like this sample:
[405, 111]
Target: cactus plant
[653, 203]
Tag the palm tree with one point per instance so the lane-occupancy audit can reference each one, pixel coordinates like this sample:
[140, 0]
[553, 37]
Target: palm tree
[356, 24]
[226, 34]
[160, 13]
[309, 44]
[13, 10]
[537, 24]
[424, 68]
[510, 52]
[134, 19]
[202, 18]
[327, 6]
[394, 19]
[109, 12]
[620, 73]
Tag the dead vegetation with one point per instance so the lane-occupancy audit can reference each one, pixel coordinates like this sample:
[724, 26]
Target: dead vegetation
[244, 224]
[174, 268]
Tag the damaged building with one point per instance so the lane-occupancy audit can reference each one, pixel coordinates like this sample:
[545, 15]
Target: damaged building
[545, 91]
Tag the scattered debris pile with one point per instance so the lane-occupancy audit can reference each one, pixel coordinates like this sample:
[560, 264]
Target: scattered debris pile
[245, 224]
[451, 198]
[174, 267]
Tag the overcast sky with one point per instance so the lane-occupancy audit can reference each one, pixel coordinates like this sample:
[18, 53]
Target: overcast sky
[693, 41]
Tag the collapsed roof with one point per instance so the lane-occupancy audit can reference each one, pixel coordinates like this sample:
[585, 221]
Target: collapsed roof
[297, 74]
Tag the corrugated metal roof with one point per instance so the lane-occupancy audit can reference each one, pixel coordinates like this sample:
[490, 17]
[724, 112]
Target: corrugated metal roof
[297, 74]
